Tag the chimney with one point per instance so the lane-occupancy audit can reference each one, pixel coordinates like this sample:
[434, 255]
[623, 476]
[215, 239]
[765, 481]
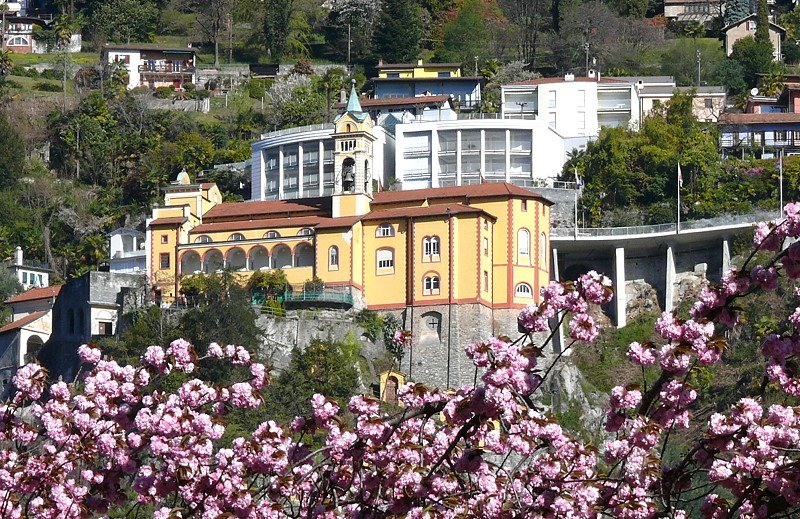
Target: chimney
[419, 62]
[569, 77]
[18, 256]
[380, 62]
[343, 96]
[592, 73]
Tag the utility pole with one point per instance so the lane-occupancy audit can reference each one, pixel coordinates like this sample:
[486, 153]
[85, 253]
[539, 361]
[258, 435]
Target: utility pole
[349, 42]
[230, 38]
[476, 66]
[698, 67]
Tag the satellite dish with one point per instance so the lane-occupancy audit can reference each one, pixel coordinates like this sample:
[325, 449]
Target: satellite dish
[753, 91]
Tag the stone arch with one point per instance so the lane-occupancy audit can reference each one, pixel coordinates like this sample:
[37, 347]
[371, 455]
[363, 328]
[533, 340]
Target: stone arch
[348, 174]
[390, 391]
[281, 257]
[190, 262]
[259, 258]
[430, 328]
[304, 255]
[213, 260]
[33, 346]
[236, 259]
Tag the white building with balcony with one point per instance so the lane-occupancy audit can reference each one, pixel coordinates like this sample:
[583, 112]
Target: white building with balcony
[127, 251]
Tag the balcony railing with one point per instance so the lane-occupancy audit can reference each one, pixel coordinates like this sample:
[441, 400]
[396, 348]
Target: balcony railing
[756, 140]
[417, 174]
[166, 68]
[319, 294]
[420, 151]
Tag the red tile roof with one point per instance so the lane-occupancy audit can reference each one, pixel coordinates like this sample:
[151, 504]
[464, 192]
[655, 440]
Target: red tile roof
[549, 80]
[172, 220]
[773, 118]
[261, 209]
[19, 323]
[35, 293]
[270, 223]
[400, 101]
[337, 223]
[207, 185]
[489, 190]
[433, 210]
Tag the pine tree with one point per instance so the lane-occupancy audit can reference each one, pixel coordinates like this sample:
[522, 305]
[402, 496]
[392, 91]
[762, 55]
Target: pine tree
[398, 32]
[277, 14]
[762, 22]
[735, 10]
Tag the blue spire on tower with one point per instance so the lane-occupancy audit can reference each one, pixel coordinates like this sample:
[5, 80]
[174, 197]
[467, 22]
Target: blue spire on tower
[353, 104]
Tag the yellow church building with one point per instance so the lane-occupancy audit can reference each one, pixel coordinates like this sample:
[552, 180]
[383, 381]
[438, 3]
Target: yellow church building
[454, 263]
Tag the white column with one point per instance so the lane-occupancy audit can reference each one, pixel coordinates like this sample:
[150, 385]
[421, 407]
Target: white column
[321, 164]
[280, 172]
[483, 154]
[435, 158]
[669, 286]
[726, 255]
[258, 190]
[533, 153]
[620, 298]
[300, 170]
[554, 274]
[458, 157]
[508, 155]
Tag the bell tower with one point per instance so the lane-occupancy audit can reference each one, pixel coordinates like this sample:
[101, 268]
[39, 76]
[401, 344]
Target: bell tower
[353, 155]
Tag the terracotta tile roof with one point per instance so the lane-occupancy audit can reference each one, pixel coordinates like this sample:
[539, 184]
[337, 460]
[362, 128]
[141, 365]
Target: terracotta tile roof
[338, 223]
[400, 101]
[35, 293]
[172, 220]
[19, 323]
[260, 209]
[768, 118]
[488, 190]
[207, 185]
[550, 80]
[418, 212]
[266, 224]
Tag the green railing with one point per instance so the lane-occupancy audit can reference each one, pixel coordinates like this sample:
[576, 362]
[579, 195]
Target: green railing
[320, 296]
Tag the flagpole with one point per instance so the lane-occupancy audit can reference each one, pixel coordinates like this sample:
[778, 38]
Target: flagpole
[678, 225]
[780, 182]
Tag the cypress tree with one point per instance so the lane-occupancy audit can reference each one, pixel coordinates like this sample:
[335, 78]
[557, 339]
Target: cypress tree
[762, 22]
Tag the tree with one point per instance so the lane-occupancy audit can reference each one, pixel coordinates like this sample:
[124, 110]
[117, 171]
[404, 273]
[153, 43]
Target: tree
[195, 153]
[9, 286]
[469, 33]
[398, 32]
[736, 10]
[211, 17]
[295, 101]
[491, 450]
[12, 154]
[754, 56]
[277, 27]
[762, 22]
[123, 21]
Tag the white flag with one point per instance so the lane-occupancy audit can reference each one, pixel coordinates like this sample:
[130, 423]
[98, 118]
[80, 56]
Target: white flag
[680, 176]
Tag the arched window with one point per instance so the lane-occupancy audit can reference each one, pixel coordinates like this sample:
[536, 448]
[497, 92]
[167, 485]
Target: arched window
[18, 41]
[543, 251]
[305, 232]
[272, 234]
[430, 285]
[71, 320]
[385, 230]
[431, 248]
[333, 258]
[385, 261]
[202, 239]
[524, 290]
[237, 236]
[524, 247]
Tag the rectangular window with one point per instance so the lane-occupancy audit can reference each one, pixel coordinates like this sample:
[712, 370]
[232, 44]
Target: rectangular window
[443, 74]
[385, 260]
[551, 120]
[393, 75]
[164, 238]
[163, 260]
[581, 120]
[551, 99]
[709, 103]
[105, 328]
[780, 135]
[524, 205]
[486, 246]
[24, 278]
[485, 281]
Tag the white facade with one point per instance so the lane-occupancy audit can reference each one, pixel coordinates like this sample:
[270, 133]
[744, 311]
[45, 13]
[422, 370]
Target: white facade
[127, 251]
[461, 152]
[28, 276]
[153, 66]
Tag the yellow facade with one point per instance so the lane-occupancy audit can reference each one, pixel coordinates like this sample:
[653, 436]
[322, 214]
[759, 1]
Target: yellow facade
[485, 244]
[419, 70]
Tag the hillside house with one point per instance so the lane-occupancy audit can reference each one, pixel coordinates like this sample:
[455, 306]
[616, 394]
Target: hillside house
[747, 27]
[406, 80]
[154, 66]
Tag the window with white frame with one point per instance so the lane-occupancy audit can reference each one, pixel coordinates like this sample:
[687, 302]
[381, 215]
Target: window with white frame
[272, 234]
[543, 250]
[431, 246]
[385, 230]
[430, 285]
[581, 98]
[524, 290]
[486, 246]
[237, 236]
[202, 239]
[551, 99]
[385, 261]
[333, 258]
[524, 247]
[305, 232]
[18, 41]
